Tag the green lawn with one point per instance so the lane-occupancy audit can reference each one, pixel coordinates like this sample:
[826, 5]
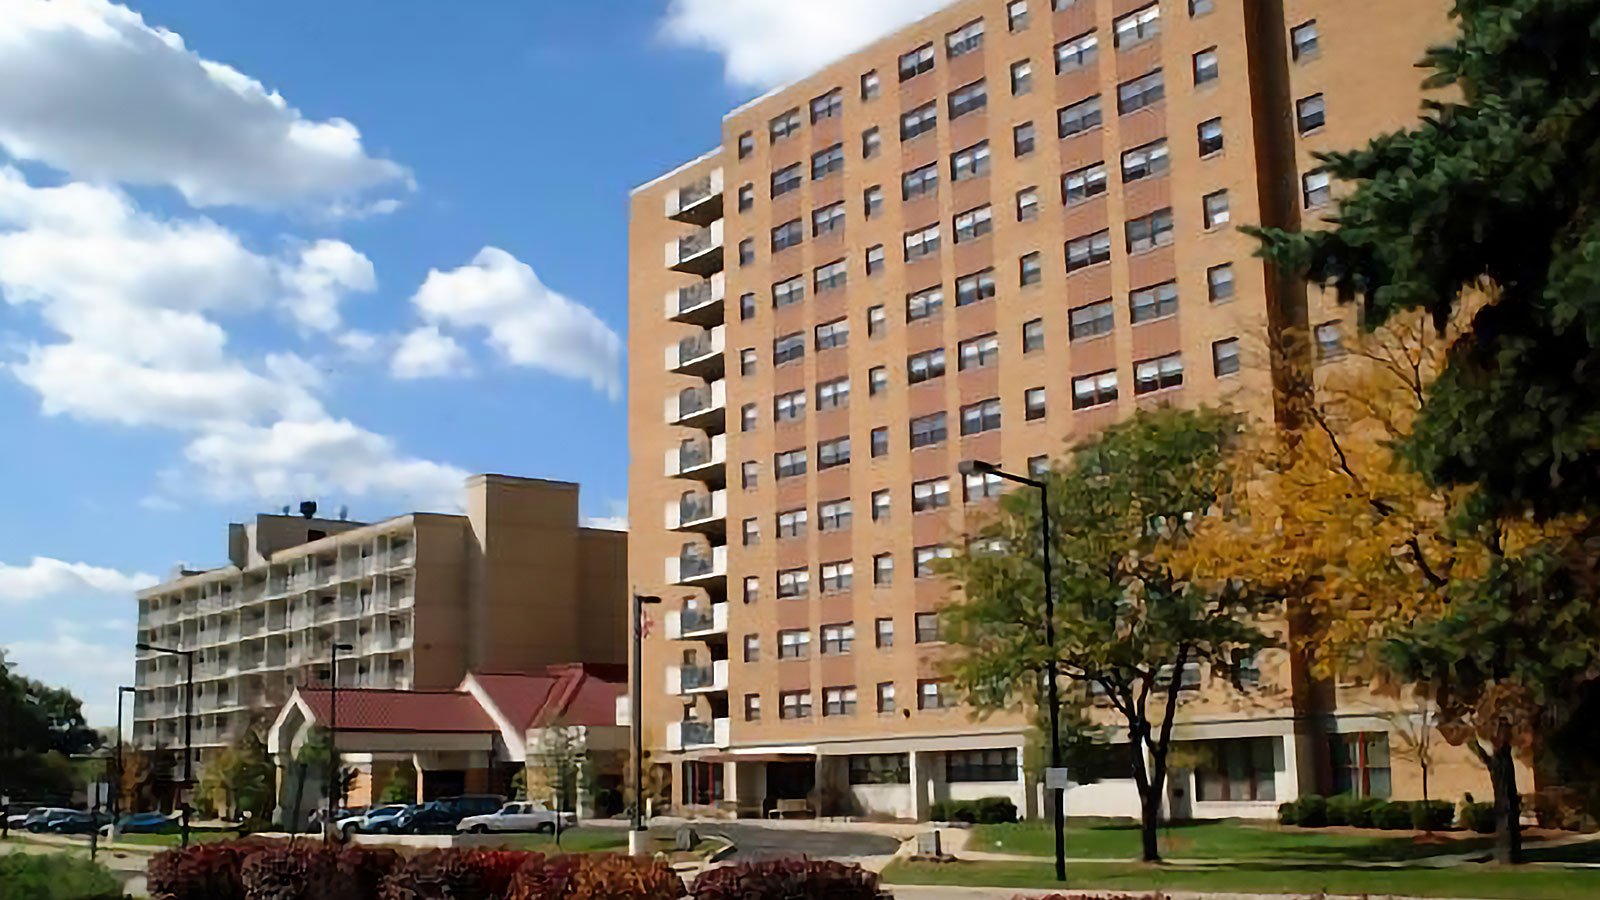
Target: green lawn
[1486, 882]
[577, 840]
[1089, 839]
[174, 839]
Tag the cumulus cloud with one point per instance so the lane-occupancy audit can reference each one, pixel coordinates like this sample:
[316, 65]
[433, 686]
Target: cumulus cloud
[326, 272]
[769, 42]
[87, 86]
[43, 578]
[527, 323]
[85, 667]
[428, 353]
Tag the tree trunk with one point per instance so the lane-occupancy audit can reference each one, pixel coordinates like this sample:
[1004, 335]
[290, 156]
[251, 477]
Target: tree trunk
[1150, 824]
[1507, 807]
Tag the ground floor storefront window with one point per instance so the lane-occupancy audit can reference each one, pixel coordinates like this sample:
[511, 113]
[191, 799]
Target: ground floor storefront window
[702, 783]
[1360, 763]
[1237, 771]
[981, 765]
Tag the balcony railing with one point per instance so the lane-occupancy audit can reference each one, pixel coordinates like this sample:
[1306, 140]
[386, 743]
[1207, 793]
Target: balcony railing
[695, 191]
[695, 243]
[694, 508]
[694, 347]
[694, 565]
[699, 734]
[698, 201]
[694, 295]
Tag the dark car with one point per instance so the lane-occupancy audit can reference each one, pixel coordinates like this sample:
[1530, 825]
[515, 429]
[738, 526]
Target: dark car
[75, 822]
[443, 815]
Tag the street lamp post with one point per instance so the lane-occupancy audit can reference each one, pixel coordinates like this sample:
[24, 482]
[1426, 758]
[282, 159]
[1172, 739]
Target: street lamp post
[978, 467]
[636, 714]
[335, 793]
[188, 726]
[116, 784]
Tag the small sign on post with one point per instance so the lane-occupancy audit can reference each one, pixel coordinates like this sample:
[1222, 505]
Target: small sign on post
[1056, 779]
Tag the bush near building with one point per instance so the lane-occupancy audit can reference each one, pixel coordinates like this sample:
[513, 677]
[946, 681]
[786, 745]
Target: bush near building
[987, 811]
[1313, 811]
[58, 876]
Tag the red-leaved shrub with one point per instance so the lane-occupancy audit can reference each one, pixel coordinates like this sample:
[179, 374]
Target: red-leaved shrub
[788, 879]
[294, 873]
[595, 877]
[202, 872]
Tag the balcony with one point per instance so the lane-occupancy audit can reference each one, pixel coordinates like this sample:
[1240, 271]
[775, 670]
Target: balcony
[690, 735]
[699, 202]
[684, 681]
[704, 407]
[698, 252]
[699, 303]
[699, 569]
[702, 513]
[702, 460]
[700, 355]
[697, 622]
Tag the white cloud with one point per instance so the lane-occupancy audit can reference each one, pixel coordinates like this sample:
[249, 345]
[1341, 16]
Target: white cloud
[44, 578]
[527, 323]
[769, 42]
[428, 353]
[327, 271]
[88, 87]
[89, 669]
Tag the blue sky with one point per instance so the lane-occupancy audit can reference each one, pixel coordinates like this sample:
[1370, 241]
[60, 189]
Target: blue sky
[253, 252]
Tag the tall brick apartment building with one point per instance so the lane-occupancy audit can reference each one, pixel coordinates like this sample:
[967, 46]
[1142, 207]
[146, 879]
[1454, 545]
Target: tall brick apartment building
[986, 235]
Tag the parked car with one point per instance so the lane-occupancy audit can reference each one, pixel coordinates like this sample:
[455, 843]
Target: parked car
[36, 818]
[75, 821]
[19, 821]
[143, 823]
[531, 816]
[377, 820]
[441, 816]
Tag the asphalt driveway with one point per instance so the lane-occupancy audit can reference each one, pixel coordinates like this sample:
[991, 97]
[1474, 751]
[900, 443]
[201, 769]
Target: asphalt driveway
[755, 842]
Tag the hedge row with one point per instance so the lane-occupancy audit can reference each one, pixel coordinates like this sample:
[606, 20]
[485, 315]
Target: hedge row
[1313, 811]
[988, 811]
[255, 870]
[58, 876]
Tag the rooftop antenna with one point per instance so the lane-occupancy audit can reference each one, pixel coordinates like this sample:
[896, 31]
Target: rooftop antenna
[344, 513]
[286, 509]
[308, 509]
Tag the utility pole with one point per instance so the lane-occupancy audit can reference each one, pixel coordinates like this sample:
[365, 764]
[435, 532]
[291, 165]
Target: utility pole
[636, 834]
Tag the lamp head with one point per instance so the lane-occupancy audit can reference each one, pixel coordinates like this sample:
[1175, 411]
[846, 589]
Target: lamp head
[344, 648]
[141, 646]
[644, 600]
[976, 467]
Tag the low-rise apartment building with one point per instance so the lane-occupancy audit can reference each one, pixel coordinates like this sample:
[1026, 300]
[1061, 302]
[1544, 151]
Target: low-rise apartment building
[991, 233]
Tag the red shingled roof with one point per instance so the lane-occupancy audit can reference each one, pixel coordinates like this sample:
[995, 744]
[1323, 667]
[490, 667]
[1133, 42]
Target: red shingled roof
[408, 711]
[577, 694]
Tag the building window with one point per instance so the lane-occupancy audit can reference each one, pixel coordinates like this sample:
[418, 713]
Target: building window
[752, 648]
[877, 321]
[794, 705]
[925, 366]
[747, 418]
[926, 557]
[1330, 341]
[1210, 135]
[831, 277]
[880, 506]
[1017, 15]
[1038, 466]
[871, 143]
[886, 698]
[980, 417]
[1158, 374]
[1138, 26]
[1238, 771]
[838, 640]
[835, 516]
[1022, 139]
[1082, 184]
[1316, 189]
[973, 224]
[832, 335]
[1032, 335]
[883, 576]
[1149, 232]
[839, 701]
[1098, 389]
[785, 125]
[1360, 764]
[924, 303]
[877, 380]
[749, 475]
[789, 348]
[747, 362]
[787, 235]
[747, 197]
[966, 39]
[975, 287]
[790, 407]
[981, 486]
[1091, 321]
[747, 307]
[968, 98]
[1021, 78]
[1200, 7]
[1027, 204]
[880, 442]
[793, 584]
[792, 523]
[1154, 302]
[786, 179]
[1147, 161]
[1225, 357]
[922, 243]
[789, 464]
[1207, 66]
[1034, 404]
[1215, 209]
[1141, 92]
[932, 494]
[871, 86]
[833, 394]
[916, 62]
[928, 431]
[920, 182]
[1219, 282]
[827, 162]
[989, 766]
[1088, 250]
[1311, 113]
[747, 144]
[828, 106]
[1304, 40]
[747, 252]
[875, 260]
[972, 162]
[934, 694]
[1079, 117]
[828, 219]
[837, 577]
[832, 454]
[919, 121]
[928, 628]
[1076, 53]
[1030, 269]
[752, 707]
[979, 352]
